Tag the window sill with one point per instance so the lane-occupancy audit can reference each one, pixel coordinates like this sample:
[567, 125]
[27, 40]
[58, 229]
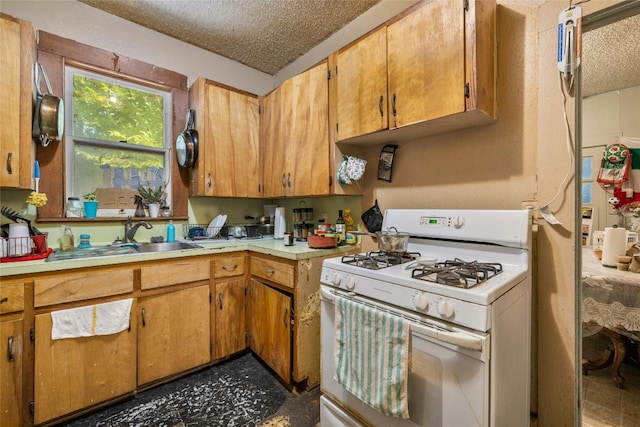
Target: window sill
[110, 219]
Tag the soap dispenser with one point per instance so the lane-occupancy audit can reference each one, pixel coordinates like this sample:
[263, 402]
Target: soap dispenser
[171, 232]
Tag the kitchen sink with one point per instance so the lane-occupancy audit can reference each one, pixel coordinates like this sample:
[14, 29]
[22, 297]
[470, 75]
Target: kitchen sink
[119, 249]
[165, 246]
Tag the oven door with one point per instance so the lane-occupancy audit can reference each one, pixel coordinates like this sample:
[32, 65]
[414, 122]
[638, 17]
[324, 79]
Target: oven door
[448, 377]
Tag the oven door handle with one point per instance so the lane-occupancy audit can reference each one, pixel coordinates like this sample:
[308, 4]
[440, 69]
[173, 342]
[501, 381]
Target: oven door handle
[456, 338]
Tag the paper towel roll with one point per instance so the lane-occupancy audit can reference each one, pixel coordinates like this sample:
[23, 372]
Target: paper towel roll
[615, 244]
[280, 225]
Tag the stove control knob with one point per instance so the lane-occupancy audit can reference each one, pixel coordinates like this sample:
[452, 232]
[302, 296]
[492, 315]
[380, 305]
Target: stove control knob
[446, 309]
[336, 279]
[420, 301]
[351, 283]
[458, 222]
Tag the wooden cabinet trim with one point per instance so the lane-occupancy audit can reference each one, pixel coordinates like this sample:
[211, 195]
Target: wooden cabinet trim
[227, 266]
[271, 269]
[179, 271]
[11, 297]
[66, 288]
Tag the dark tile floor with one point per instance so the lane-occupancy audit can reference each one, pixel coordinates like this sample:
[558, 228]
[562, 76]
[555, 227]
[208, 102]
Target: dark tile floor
[237, 392]
[604, 405]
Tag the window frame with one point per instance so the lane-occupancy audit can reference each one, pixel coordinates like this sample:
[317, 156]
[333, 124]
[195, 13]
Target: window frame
[71, 69]
[53, 53]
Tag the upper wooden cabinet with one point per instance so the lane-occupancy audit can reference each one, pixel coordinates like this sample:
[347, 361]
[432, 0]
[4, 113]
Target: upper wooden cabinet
[295, 136]
[361, 79]
[429, 70]
[227, 121]
[17, 151]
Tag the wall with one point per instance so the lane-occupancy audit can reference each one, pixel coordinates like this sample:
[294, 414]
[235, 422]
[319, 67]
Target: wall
[83, 23]
[520, 160]
[611, 114]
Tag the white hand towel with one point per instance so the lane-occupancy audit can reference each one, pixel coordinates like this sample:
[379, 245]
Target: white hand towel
[101, 319]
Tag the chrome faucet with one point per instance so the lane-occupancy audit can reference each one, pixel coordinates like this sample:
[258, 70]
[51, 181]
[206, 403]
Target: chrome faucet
[130, 230]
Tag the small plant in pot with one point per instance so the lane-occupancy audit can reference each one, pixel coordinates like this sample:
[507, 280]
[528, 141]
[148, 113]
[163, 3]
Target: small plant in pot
[152, 198]
[90, 204]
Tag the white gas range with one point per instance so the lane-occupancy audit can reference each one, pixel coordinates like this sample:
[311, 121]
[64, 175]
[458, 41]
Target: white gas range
[472, 302]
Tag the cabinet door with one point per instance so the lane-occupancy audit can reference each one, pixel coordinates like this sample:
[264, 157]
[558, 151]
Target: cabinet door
[307, 122]
[173, 333]
[11, 373]
[16, 81]
[74, 373]
[361, 73]
[273, 145]
[230, 325]
[426, 64]
[231, 150]
[271, 328]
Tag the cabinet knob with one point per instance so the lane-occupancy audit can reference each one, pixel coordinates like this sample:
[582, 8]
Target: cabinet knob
[209, 181]
[4, 299]
[269, 271]
[144, 321]
[380, 106]
[230, 267]
[289, 180]
[220, 300]
[286, 313]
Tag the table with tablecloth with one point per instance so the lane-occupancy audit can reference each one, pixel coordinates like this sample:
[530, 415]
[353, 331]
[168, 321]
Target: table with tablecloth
[611, 305]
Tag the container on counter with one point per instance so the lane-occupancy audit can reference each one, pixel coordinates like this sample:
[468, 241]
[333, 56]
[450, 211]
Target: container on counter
[74, 208]
[288, 239]
[171, 232]
[84, 241]
[67, 238]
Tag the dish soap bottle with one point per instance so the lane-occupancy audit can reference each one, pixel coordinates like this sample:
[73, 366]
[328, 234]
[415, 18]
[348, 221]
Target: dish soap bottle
[171, 232]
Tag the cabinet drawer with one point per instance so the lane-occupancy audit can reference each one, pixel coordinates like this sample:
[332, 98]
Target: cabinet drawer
[11, 297]
[276, 271]
[228, 266]
[82, 286]
[174, 272]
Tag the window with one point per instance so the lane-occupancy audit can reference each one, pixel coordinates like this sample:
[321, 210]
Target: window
[118, 134]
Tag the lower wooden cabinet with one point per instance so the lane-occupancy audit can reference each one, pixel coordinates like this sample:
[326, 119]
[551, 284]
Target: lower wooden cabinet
[75, 373]
[271, 317]
[173, 333]
[12, 348]
[229, 312]
[11, 373]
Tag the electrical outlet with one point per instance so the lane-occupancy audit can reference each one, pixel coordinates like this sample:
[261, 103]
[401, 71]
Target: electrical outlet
[530, 204]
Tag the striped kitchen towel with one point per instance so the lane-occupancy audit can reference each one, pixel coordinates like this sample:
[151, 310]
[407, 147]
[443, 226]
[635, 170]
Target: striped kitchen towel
[372, 356]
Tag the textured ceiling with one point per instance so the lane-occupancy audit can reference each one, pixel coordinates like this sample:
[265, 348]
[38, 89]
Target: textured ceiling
[263, 34]
[611, 57]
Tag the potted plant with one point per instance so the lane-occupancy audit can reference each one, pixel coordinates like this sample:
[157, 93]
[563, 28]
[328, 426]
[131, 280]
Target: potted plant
[90, 204]
[152, 198]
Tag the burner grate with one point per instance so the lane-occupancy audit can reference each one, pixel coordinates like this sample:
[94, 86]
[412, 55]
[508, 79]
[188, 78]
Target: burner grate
[378, 259]
[459, 273]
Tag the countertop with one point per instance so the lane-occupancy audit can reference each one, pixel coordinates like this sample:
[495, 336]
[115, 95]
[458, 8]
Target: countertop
[276, 247]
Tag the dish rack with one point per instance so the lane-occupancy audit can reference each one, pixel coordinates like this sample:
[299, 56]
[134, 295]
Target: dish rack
[24, 248]
[204, 232]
